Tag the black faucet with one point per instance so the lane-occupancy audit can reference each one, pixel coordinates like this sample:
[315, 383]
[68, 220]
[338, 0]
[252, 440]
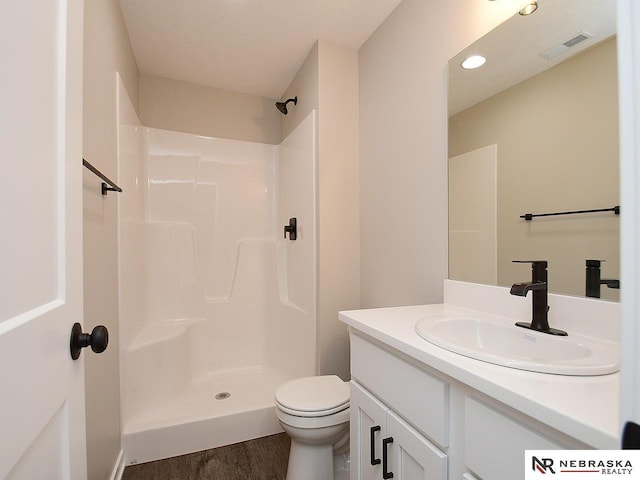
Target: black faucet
[539, 286]
[593, 280]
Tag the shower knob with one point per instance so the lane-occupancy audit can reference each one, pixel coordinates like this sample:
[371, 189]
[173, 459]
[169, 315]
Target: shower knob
[98, 340]
[291, 229]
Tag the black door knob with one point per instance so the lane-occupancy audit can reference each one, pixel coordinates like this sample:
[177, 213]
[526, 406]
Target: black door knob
[98, 339]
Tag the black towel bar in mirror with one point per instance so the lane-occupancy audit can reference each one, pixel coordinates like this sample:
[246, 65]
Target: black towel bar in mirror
[530, 216]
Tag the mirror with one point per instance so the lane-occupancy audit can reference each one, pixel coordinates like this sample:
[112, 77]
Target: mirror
[535, 130]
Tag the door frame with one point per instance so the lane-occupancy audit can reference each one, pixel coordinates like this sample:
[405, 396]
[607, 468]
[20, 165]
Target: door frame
[628, 18]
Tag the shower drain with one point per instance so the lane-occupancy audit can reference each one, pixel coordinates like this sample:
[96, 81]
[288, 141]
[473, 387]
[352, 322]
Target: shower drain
[222, 395]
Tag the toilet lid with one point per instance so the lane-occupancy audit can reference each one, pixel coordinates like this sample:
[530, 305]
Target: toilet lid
[312, 396]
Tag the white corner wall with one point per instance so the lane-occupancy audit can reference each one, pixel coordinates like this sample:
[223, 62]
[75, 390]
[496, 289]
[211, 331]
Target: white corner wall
[338, 203]
[403, 145]
[304, 86]
[106, 52]
[328, 82]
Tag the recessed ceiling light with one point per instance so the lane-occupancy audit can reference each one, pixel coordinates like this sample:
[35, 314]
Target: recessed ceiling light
[529, 9]
[474, 61]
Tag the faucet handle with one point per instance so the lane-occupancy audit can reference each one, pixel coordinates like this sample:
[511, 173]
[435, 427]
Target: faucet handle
[292, 229]
[538, 269]
[534, 263]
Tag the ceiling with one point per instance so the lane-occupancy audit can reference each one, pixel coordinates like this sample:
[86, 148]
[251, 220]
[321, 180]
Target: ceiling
[512, 49]
[248, 46]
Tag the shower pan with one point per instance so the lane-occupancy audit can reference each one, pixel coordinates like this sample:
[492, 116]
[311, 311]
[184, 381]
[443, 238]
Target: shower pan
[216, 308]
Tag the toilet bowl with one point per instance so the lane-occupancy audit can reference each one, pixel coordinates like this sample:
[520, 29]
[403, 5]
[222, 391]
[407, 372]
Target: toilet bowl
[314, 411]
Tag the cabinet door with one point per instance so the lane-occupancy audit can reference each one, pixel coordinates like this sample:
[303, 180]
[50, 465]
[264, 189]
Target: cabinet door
[411, 456]
[494, 443]
[368, 428]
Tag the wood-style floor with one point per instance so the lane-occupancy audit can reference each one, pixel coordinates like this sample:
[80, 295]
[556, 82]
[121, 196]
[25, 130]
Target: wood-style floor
[260, 459]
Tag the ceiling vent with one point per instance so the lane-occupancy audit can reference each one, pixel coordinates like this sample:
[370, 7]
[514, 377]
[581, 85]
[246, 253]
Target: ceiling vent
[563, 47]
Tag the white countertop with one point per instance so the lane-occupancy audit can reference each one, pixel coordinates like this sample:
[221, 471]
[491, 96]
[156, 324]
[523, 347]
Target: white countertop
[586, 408]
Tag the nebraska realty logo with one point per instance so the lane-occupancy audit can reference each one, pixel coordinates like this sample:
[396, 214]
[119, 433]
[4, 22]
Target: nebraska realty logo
[581, 464]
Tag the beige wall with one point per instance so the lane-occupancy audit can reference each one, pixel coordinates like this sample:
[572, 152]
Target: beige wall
[338, 204]
[557, 136]
[403, 145]
[328, 81]
[106, 51]
[212, 112]
[304, 86]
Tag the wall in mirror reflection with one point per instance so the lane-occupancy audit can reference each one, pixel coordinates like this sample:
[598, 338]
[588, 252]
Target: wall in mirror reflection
[555, 137]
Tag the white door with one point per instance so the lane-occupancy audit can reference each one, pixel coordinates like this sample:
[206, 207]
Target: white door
[41, 389]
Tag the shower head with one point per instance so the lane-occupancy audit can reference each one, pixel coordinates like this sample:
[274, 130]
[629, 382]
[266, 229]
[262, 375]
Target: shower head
[282, 106]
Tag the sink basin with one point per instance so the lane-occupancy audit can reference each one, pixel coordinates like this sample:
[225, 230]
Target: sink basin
[505, 344]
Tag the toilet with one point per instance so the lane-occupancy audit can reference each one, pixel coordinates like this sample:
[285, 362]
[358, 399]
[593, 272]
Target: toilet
[314, 411]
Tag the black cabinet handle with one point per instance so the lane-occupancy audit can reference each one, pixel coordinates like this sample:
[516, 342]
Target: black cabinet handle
[374, 460]
[385, 454]
[631, 436]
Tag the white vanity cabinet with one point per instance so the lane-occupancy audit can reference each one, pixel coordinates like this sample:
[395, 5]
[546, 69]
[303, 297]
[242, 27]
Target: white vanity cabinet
[440, 427]
[384, 446]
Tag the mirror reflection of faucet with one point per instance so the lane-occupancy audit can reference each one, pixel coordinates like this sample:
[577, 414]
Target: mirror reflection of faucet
[540, 288]
[593, 280]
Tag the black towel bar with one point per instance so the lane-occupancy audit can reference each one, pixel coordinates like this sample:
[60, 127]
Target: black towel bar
[107, 185]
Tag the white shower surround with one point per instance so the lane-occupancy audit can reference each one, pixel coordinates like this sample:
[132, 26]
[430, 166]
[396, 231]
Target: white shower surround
[213, 299]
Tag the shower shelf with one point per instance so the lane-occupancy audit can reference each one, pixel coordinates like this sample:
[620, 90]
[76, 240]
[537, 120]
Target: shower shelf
[162, 331]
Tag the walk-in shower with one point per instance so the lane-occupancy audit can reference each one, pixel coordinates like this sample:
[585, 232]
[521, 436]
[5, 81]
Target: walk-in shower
[216, 308]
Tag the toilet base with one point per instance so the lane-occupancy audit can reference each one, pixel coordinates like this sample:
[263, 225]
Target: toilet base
[341, 465]
[310, 462]
[313, 450]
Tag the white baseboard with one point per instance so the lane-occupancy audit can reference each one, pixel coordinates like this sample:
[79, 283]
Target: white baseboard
[118, 468]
